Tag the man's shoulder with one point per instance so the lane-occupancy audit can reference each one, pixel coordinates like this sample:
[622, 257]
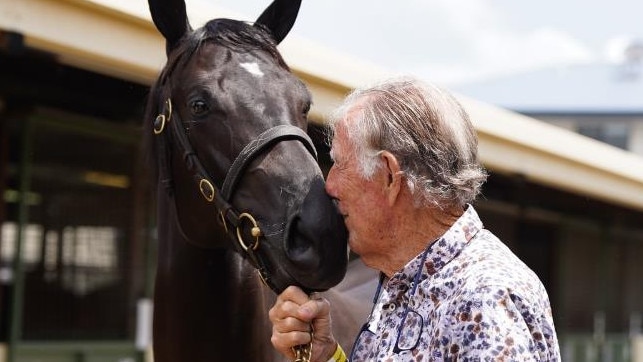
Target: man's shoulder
[487, 262]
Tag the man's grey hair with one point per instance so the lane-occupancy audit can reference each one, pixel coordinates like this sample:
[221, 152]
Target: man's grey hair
[427, 130]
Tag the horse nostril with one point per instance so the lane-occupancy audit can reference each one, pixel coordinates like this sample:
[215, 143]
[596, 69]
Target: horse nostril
[315, 241]
[299, 245]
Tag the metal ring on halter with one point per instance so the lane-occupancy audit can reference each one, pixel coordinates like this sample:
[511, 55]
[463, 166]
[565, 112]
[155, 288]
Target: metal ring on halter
[159, 124]
[168, 107]
[162, 119]
[255, 231]
[207, 190]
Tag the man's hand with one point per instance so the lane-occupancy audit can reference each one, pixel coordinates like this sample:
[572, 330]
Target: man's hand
[296, 319]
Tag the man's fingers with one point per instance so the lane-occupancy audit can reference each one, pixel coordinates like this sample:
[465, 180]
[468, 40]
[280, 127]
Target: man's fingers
[313, 309]
[295, 316]
[285, 341]
[293, 294]
[294, 302]
[283, 309]
[291, 324]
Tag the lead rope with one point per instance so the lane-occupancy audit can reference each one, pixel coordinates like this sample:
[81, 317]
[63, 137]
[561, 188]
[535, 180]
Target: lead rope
[304, 352]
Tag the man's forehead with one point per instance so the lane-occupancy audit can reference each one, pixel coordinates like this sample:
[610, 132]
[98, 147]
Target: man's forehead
[340, 134]
[335, 147]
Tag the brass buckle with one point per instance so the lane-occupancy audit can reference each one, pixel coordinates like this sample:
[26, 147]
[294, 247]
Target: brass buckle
[162, 119]
[159, 124]
[168, 108]
[255, 231]
[207, 190]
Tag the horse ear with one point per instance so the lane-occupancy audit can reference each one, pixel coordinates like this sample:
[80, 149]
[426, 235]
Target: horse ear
[171, 19]
[279, 17]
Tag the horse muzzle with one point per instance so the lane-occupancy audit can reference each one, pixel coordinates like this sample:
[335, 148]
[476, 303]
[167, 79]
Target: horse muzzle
[316, 252]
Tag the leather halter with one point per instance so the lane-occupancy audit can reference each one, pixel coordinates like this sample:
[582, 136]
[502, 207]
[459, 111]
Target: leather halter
[231, 219]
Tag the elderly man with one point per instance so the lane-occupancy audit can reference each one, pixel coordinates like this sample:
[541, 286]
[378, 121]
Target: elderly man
[405, 171]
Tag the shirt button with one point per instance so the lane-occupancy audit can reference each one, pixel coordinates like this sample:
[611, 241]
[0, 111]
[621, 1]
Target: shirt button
[389, 307]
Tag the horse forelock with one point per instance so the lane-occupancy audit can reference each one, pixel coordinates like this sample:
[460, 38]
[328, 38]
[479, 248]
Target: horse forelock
[235, 35]
[243, 37]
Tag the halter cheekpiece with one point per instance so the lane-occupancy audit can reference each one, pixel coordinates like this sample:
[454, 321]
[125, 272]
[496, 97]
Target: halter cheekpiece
[233, 221]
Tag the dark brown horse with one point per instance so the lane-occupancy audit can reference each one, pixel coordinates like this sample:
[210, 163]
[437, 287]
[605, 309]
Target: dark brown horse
[239, 188]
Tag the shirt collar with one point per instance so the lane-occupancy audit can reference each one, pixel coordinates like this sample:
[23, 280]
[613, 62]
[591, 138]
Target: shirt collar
[440, 252]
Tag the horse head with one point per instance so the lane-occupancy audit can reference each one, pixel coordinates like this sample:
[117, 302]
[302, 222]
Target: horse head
[229, 121]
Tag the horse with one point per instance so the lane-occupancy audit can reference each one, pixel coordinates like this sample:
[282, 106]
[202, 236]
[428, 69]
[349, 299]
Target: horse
[239, 192]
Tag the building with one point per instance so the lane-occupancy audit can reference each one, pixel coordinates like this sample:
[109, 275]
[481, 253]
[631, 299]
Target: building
[603, 101]
[74, 76]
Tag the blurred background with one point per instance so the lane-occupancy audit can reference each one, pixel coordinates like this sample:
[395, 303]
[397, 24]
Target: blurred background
[463, 41]
[555, 90]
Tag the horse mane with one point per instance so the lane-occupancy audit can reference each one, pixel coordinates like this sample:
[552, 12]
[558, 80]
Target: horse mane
[235, 35]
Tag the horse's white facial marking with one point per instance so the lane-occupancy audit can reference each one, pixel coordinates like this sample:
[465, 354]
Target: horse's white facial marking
[252, 68]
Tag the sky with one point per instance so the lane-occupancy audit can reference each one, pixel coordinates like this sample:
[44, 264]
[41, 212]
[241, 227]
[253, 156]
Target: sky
[461, 41]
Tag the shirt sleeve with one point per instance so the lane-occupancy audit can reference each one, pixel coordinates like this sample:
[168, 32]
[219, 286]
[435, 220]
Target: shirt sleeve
[494, 323]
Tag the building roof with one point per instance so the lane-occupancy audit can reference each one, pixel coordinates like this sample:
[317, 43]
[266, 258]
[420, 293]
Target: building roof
[117, 38]
[579, 89]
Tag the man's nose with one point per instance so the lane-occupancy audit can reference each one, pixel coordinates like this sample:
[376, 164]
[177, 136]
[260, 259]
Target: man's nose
[330, 183]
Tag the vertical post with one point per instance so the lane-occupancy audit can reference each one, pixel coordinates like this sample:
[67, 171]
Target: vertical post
[4, 165]
[17, 297]
[151, 251]
[559, 305]
[635, 350]
[605, 290]
[636, 319]
[139, 257]
[151, 248]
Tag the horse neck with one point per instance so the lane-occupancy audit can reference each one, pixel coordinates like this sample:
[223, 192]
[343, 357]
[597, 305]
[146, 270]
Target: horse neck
[209, 304]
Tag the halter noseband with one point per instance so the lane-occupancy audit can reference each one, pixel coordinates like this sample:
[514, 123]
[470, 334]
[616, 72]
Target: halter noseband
[227, 214]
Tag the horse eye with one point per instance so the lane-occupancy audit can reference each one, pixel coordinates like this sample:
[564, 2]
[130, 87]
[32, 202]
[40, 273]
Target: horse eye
[198, 108]
[306, 108]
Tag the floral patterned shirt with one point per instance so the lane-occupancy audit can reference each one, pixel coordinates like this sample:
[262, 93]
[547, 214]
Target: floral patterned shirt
[472, 300]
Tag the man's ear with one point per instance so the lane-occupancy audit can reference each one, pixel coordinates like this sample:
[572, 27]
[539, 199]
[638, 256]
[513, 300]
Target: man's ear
[393, 176]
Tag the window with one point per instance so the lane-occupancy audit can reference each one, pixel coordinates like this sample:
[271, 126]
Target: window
[613, 133]
[82, 246]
